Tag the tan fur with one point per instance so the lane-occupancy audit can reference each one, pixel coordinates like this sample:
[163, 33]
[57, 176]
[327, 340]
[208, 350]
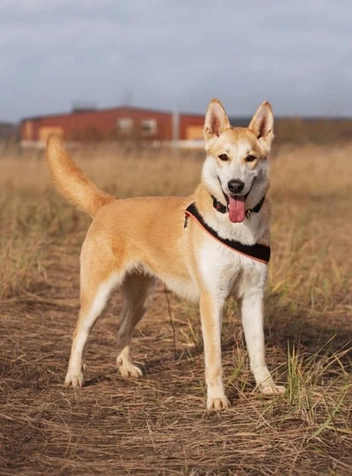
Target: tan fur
[71, 182]
[133, 241]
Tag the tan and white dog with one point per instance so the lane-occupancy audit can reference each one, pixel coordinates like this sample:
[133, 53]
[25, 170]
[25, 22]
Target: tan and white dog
[206, 247]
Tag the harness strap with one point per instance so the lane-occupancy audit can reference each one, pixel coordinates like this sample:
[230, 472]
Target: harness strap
[257, 252]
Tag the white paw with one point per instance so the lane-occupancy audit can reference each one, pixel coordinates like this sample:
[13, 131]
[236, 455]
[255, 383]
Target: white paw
[129, 370]
[269, 388]
[74, 380]
[217, 403]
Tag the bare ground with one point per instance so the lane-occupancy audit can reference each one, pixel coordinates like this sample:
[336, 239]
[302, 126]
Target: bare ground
[158, 424]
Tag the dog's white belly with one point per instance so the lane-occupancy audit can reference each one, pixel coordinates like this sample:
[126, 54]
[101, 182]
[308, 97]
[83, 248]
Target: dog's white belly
[181, 284]
[187, 289]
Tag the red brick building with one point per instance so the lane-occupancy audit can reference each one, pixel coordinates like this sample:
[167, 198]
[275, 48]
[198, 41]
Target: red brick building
[114, 124]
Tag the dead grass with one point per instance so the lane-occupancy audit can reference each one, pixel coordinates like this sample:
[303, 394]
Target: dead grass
[158, 424]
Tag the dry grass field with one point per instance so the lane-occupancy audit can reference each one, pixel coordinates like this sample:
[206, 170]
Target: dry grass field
[158, 425]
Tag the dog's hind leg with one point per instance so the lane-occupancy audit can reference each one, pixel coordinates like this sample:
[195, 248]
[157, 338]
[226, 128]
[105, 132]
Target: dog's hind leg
[91, 308]
[137, 291]
[97, 281]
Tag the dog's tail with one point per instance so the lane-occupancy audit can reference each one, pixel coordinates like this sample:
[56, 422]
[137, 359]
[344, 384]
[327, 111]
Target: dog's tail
[70, 180]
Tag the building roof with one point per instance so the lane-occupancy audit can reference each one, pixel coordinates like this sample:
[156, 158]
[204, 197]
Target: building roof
[109, 109]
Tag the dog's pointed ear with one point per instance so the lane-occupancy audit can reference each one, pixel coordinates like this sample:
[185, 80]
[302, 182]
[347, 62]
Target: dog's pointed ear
[216, 120]
[262, 124]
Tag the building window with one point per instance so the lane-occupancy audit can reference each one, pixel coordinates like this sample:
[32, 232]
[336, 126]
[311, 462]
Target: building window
[125, 125]
[149, 127]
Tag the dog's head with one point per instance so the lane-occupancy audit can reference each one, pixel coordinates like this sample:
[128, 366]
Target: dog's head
[237, 157]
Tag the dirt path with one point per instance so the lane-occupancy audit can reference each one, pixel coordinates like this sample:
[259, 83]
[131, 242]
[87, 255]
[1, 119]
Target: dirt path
[158, 424]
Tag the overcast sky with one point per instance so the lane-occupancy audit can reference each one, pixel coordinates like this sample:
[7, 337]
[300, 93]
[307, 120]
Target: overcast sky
[176, 54]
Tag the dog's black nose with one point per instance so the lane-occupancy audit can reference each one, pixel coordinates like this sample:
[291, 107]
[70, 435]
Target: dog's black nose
[235, 186]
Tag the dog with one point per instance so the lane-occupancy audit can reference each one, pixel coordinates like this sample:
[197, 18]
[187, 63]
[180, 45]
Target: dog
[205, 247]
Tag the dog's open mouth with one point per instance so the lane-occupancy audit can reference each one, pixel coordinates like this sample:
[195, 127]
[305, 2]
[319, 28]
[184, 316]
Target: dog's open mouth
[236, 204]
[237, 210]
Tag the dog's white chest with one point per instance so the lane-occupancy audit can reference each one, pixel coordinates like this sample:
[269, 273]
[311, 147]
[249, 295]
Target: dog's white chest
[225, 271]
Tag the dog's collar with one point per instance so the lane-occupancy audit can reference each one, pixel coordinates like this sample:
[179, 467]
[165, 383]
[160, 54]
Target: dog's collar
[224, 208]
[257, 252]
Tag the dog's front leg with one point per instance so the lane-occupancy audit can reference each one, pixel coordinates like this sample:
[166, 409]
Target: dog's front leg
[252, 313]
[211, 318]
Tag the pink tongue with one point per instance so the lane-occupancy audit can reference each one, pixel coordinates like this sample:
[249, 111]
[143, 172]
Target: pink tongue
[237, 210]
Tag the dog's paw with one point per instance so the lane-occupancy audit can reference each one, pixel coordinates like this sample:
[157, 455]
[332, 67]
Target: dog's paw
[74, 380]
[269, 388]
[129, 370]
[217, 403]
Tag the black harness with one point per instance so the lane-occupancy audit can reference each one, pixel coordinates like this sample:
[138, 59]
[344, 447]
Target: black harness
[257, 252]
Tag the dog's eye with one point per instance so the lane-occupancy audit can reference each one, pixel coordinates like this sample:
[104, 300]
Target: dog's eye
[223, 157]
[249, 158]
